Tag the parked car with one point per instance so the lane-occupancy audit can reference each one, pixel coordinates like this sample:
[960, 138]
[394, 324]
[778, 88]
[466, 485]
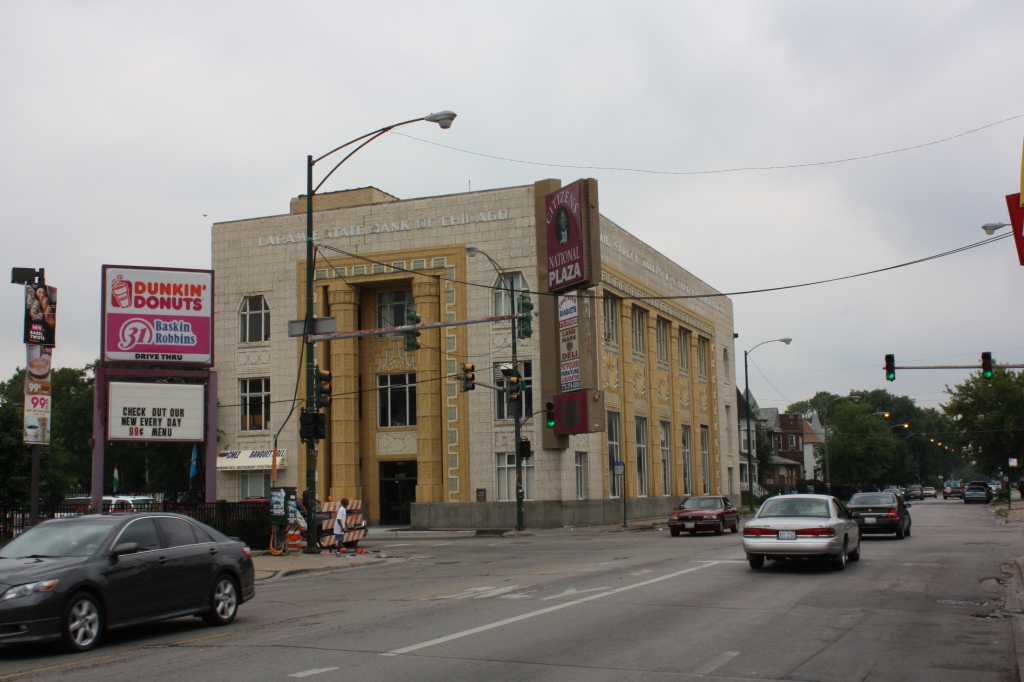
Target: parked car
[881, 512]
[898, 492]
[113, 503]
[703, 513]
[914, 492]
[929, 492]
[802, 527]
[72, 579]
[977, 491]
[954, 489]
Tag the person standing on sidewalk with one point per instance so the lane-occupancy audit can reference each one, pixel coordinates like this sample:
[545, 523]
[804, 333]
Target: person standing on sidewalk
[340, 523]
[1020, 487]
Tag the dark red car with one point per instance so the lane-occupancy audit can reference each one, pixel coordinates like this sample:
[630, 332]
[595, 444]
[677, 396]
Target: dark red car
[703, 513]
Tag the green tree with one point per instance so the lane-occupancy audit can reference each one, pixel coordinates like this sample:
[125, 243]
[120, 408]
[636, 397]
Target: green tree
[860, 447]
[763, 445]
[987, 418]
[808, 408]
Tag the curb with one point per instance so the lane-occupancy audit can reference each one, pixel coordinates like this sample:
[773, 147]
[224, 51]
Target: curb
[1014, 602]
[392, 534]
[293, 572]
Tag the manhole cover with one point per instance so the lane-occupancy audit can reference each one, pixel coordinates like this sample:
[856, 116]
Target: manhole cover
[957, 602]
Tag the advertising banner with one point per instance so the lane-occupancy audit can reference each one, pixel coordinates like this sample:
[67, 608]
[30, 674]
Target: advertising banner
[157, 316]
[563, 213]
[37, 425]
[156, 412]
[241, 460]
[40, 315]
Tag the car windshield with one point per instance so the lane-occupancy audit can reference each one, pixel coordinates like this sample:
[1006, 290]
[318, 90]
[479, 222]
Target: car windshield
[914, 487]
[702, 503]
[977, 486]
[797, 507]
[58, 539]
[868, 499]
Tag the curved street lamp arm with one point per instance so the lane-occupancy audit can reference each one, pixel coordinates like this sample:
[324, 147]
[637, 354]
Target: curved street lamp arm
[338, 165]
[375, 132]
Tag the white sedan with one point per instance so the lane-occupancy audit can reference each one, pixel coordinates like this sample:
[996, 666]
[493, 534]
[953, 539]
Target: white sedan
[799, 527]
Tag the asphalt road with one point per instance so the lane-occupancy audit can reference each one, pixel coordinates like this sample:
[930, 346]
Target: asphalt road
[589, 605]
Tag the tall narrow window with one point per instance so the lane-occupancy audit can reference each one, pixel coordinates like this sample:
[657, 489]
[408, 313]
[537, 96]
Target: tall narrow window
[505, 480]
[502, 411]
[614, 453]
[396, 399]
[661, 338]
[665, 431]
[702, 357]
[684, 350]
[611, 319]
[255, 399]
[639, 320]
[705, 457]
[581, 475]
[687, 455]
[503, 305]
[391, 307]
[643, 462]
[254, 320]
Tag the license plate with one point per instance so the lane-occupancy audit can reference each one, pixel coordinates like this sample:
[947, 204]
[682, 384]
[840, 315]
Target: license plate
[869, 519]
[787, 535]
[689, 525]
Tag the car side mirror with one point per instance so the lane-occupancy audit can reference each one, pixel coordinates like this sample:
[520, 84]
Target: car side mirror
[125, 548]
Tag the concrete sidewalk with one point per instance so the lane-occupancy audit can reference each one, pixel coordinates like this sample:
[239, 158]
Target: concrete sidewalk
[269, 567]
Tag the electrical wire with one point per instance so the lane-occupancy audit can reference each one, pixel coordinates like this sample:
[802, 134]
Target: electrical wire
[711, 172]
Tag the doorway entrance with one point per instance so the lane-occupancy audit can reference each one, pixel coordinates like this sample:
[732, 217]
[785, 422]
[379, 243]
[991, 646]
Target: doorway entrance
[397, 492]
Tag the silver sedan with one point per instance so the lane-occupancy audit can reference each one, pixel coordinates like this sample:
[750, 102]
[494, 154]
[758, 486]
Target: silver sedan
[802, 526]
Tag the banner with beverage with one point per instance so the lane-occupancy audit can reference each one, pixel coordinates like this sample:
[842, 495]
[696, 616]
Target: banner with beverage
[38, 372]
[157, 316]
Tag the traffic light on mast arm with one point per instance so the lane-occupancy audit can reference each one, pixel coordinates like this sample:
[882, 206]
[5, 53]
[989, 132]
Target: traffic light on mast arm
[321, 388]
[525, 323]
[890, 367]
[468, 377]
[514, 388]
[986, 365]
[549, 415]
[411, 341]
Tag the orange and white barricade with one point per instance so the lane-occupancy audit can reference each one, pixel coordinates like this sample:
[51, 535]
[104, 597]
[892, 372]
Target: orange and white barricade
[355, 520]
[293, 538]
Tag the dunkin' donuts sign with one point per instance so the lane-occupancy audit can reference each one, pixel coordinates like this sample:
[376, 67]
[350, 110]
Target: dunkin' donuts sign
[157, 316]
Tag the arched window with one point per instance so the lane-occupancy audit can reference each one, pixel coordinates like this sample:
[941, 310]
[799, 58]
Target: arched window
[254, 320]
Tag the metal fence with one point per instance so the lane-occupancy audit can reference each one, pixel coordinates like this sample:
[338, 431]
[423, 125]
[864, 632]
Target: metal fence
[247, 521]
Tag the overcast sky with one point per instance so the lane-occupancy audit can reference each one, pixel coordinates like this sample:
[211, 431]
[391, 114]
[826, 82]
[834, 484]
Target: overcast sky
[128, 128]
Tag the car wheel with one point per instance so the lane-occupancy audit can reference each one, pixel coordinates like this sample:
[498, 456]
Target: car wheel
[736, 526]
[223, 601]
[908, 529]
[720, 528]
[82, 623]
[674, 532]
[839, 561]
[855, 554]
[899, 533]
[756, 561]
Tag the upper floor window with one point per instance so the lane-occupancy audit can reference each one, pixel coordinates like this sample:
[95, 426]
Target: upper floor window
[396, 399]
[661, 337]
[503, 305]
[702, 357]
[391, 307]
[255, 399]
[503, 412]
[684, 349]
[611, 319]
[254, 320]
[639, 330]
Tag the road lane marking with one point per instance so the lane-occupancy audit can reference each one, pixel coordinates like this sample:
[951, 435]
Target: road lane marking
[716, 663]
[572, 591]
[52, 667]
[531, 614]
[315, 671]
[431, 594]
[186, 641]
[400, 544]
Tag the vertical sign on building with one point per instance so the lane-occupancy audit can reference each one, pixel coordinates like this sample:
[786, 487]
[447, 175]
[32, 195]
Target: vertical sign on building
[40, 338]
[568, 342]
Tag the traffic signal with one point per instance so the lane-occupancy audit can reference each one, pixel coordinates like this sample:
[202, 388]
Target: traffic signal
[525, 323]
[890, 367]
[525, 451]
[312, 425]
[321, 388]
[468, 377]
[514, 388]
[986, 365]
[549, 415]
[411, 341]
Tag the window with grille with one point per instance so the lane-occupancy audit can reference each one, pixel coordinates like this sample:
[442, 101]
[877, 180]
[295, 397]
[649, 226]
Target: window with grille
[581, 475]
[502, 411]
[687, 456]
[391, 307]
[254, 320]
[255, 400]
[705, 457]
[702, 357]
[665, 431]
[611, 319]
[614, 453]
[503, 305]
[396, 399]
[506, 477]
[643, 463]
[639, 319]
[661, 339]
[683, 343]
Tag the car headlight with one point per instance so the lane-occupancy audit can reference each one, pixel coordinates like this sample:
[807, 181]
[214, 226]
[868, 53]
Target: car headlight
[29, 588]
[710, 517]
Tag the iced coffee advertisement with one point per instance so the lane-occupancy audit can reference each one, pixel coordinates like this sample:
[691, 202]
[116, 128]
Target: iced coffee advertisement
[37, 395]
[40, 314]
[157, 316]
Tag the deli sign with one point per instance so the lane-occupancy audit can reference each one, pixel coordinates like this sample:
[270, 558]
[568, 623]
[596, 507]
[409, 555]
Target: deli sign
[570, 215]
[157, 316]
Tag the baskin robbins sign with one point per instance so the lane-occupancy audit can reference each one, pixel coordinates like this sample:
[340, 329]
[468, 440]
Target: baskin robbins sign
[157, 316]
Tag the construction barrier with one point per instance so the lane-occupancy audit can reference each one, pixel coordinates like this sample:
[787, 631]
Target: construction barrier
[355, 520]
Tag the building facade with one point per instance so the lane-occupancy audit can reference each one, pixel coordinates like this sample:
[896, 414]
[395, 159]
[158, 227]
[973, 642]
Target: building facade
[401, 436]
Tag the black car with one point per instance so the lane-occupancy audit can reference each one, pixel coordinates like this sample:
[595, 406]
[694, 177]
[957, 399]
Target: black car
[880, 513]
[72, 579]
[952, 489]
[914, 492]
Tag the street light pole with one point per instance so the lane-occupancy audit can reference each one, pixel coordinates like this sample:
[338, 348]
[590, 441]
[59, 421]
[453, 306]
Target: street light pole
[750, 437]
[444, 119]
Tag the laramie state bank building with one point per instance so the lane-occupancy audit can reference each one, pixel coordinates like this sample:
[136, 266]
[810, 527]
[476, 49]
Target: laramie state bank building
[401, 435]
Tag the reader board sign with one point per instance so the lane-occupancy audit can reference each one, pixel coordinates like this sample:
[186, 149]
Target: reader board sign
[157, 316]
[243, 460]
[156, 412]
[568, 342]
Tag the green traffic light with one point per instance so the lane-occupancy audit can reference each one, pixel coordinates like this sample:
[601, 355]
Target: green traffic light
[891, 376]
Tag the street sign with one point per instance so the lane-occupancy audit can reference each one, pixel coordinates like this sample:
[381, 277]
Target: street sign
[619, 468]
[1013, 461]
[321, 325]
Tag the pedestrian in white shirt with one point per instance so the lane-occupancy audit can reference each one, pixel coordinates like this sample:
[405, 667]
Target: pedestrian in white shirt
[340, 523]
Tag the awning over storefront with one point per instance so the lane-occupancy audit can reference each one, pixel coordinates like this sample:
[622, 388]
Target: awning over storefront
[239, 460]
